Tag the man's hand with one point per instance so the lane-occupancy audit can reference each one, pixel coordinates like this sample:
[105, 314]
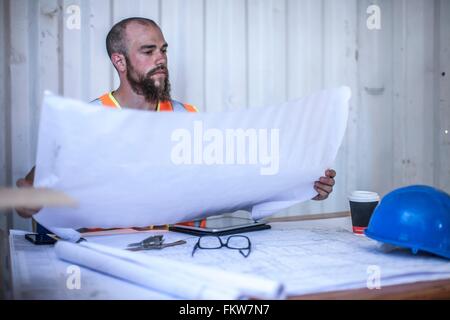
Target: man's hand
[325, 185]
[27, 182]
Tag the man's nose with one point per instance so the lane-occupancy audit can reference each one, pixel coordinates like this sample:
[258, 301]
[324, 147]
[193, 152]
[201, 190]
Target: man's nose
[161, 59]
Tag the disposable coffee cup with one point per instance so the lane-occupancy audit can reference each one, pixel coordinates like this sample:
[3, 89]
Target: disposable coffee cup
[362, 205]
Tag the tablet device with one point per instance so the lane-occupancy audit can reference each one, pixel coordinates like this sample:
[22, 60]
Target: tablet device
[219, 225]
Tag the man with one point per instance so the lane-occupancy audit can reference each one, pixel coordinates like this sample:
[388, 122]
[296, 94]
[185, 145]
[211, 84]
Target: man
[138, 51]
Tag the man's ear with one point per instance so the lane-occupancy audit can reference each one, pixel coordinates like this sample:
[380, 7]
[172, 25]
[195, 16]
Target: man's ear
[119, 61]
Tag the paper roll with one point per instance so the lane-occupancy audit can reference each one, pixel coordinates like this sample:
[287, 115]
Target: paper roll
[181, 280]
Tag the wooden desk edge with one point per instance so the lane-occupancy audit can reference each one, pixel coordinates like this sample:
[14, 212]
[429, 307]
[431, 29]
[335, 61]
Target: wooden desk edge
[305, 217]
[426, 290]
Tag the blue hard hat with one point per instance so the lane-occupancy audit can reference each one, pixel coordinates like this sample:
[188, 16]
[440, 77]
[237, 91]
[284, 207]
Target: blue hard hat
[415, 217]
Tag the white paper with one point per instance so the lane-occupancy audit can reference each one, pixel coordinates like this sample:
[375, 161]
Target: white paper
[38, 274]
[307, 257]
[184, 281]
[124, 170]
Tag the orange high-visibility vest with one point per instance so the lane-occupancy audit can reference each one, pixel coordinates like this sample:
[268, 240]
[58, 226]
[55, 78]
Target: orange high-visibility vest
[108, 100]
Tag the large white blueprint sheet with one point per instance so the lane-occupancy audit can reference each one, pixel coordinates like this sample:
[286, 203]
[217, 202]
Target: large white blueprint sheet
[306, 256]
[137, 168]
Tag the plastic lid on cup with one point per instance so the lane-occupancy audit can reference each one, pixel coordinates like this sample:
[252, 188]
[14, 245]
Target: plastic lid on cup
[364, 196]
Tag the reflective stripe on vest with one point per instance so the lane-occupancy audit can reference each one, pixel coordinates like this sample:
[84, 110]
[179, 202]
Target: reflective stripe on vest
[108, 100]
[175, 106]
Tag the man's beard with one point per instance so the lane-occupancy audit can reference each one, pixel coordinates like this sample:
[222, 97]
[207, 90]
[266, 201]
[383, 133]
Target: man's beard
[145, 86]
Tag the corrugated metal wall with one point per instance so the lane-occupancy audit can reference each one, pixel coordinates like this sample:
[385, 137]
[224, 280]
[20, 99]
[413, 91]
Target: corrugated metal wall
[227, 54]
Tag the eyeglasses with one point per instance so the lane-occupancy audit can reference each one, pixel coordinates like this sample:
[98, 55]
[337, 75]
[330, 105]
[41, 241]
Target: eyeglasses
[241, 243]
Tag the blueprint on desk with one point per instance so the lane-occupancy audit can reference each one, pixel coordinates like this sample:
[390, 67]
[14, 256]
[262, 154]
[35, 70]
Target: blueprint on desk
[311, 256]
[306, 256]
[38, 274]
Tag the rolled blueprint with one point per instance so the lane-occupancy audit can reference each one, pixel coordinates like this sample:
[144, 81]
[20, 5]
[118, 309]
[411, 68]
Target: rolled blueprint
[131, 168]
[181, 280]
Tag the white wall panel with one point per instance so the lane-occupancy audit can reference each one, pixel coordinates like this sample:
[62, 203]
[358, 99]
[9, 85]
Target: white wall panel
[375, 108]
[340, 67]
[304, 55]
[442, 96]
[229, 54]
[225, 55]
[21, 80]
[4, 96]
[101, 70]
[72, 48]
[5, 138]
[266, 55]
[413, 107]
[304, 47]
[183, 28]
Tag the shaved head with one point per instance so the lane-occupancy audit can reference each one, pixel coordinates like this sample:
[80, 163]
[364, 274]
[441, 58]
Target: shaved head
[116, 40]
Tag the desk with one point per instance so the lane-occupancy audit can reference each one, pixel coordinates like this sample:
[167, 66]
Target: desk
[421, 290]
